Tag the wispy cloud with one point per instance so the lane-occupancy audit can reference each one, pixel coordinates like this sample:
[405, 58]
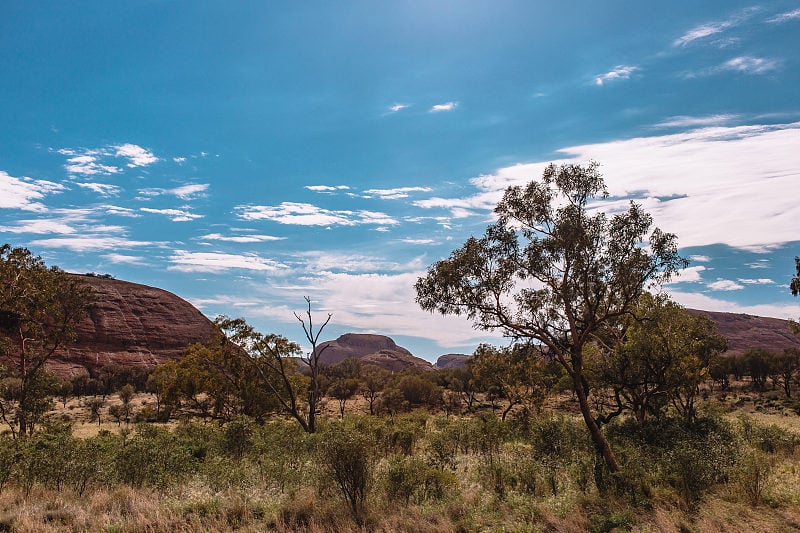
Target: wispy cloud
[785, 17]
[240, 238]
[688, 275]
[725, 285]
[176, 215]
[302, 214]
[214, 262]
[700, 258]
[418, 241]
[683, 121]
[326, 188]
[88, 165]
[396, 193]
[757, 281]
[45, 226]
[120, 211]
[448, 106]
[90, 243]
[397, 107]
[697, 184]
[314, 262]
[713, 28]
[620, 72]
[103, 189]
[703, 301]
[184, 192]
[750, 65]
[124, 259]
[22, 193]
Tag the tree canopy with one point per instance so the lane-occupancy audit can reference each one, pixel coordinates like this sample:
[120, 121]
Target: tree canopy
[39, 309]
[554, 271]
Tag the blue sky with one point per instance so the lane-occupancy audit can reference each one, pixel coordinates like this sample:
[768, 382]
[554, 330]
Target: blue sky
[244, 155]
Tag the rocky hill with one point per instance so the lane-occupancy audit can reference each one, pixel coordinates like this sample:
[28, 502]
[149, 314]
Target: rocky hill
[452, 360]
[747, 331]
[132, 325]
[377, 350]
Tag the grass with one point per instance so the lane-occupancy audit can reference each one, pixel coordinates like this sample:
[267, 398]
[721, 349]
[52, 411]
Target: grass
[526, 482]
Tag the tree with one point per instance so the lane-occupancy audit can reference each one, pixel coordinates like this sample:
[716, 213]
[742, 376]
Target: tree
[342, 389]
[554, 271]
[39, 309]
[794, 285]
[660, 354]
[373, 381]
[517, 373]
[275, 359]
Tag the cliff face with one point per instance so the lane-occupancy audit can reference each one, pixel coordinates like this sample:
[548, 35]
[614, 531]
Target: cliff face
[132, 325]
[377, 350]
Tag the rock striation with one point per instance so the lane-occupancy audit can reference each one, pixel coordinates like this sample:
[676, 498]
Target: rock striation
[377, 350]
[131, 325]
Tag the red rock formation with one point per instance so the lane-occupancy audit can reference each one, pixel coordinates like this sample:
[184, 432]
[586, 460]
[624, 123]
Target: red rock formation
[747, 331]
[452, 360]
[132, 325]
[377, 350]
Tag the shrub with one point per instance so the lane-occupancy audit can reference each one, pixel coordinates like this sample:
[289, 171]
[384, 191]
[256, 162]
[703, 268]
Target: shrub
[347, 458]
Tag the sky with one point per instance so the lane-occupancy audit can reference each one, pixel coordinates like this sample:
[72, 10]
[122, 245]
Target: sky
[245, 155]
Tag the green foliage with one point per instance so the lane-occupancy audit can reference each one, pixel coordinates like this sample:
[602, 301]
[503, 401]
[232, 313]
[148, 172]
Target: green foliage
[347, 458]
[553, 272]
[39, 309]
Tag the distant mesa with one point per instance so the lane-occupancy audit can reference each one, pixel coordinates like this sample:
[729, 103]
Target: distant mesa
[745, 332]
[377, 350]
[452, 360]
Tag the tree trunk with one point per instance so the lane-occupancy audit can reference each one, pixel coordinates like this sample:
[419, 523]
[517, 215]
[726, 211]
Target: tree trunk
[598, 439]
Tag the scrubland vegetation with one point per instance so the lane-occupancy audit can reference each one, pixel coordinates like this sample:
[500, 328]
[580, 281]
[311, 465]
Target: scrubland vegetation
[734, 466]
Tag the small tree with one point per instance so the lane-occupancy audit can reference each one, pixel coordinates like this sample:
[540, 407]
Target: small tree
[94, 405]
[39, 309]
[554, 271]
[342, 389]
[373, 381]
[275, 360]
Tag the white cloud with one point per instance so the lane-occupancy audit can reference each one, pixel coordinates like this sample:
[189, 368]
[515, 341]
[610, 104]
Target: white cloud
[176, 215]
[381, 303]
[22, 193]
[314, 262]
[726, 185]
[688, 275]
[397, 107]
[396, 193]
[750, 65]
[707, 303]
[179, 160]
[699, 258]
[449, 106]
[418, 241]
[240, 238]
[124, 259]
[758, 281]
[89, 243]
[103, 189]
[120, 211]
[213, 262]
[725, 285]
[303, 214]
[785, 17]
[184, 192]
[620, 72]
[40, 227]
[88, 165]
[326, 188]
[136, 155]
[684, 121]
